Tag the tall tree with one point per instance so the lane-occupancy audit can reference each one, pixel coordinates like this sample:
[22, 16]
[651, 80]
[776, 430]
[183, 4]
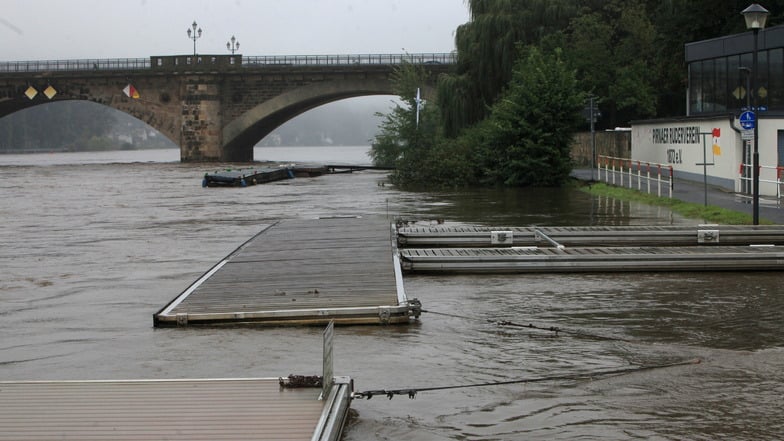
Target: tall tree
[611, 44]
[530, 130]
[486, 52]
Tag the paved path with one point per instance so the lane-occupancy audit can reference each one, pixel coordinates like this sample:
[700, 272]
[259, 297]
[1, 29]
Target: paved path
[690, 191]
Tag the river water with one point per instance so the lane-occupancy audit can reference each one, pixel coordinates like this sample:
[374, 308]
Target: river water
[92, 244]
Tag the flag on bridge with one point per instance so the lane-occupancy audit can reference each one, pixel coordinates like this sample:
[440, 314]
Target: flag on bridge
[131, 92]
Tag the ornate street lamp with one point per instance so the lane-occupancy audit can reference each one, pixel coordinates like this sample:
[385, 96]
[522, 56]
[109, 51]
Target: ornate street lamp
[233, 45]
[755, 16]
[193, 35]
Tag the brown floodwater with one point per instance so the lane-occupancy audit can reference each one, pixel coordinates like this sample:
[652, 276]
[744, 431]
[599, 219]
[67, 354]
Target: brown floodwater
[89, 251]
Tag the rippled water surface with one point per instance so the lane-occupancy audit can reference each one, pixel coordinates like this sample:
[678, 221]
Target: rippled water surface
[92, 246]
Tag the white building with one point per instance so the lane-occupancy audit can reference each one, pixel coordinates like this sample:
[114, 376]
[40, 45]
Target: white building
[712, 133]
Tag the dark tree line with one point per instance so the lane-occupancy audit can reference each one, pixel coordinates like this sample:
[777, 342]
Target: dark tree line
[628, 53]
[63, 125]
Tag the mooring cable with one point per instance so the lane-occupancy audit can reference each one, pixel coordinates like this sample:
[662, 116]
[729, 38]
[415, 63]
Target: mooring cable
[412, 392]
[554, 329]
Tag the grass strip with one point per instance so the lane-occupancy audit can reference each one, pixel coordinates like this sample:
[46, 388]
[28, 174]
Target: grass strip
[709, 214]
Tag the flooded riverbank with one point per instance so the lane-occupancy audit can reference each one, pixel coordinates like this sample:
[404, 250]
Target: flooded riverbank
[91, 250]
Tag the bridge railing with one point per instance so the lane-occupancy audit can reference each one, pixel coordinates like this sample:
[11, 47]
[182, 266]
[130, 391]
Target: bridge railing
[318, 60]
[247, 62]
[75, 65]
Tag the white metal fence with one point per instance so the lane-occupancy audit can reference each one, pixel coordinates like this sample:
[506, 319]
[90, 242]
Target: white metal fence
[642, 176]
[768, 175]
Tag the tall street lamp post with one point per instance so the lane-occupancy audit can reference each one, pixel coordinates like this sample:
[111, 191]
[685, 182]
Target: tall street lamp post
[233, 45]
[755, 16]
[194, 34]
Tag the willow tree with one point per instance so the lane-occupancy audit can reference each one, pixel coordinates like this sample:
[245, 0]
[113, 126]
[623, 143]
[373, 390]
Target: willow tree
[486, 52]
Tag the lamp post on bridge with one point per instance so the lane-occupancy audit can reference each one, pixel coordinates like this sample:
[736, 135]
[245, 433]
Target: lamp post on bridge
[755, 16]
[233, 45]
[194, 35]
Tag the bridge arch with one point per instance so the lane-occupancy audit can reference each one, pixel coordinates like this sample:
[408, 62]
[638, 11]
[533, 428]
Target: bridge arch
[240, 135]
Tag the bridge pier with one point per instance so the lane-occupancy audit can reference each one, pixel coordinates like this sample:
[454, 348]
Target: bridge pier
[200, 133]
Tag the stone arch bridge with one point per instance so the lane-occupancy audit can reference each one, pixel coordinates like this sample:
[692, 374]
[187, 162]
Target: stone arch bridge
[215, 107]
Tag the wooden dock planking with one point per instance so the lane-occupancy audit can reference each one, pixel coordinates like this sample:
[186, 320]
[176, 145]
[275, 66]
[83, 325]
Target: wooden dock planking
[609, 259]
[480, 236]
[205, 409]
[301, 272]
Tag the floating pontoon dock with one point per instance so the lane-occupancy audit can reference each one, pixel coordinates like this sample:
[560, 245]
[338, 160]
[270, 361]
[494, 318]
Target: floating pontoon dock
[591, 249]
[597, 259]
[480, 236]
[302, 272]
[211, 409]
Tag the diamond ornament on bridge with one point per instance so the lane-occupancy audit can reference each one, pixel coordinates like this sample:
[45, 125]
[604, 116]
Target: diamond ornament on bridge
[31, 92]
[131, 92]
[50, 92]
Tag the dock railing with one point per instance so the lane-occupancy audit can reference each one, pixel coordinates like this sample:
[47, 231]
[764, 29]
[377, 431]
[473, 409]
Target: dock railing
[624, 172]
[767, 175]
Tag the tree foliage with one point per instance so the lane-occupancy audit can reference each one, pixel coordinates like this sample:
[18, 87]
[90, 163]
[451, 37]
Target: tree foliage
[486, 52]
[529, 133]
[612, 48]
[416, 150]
[509, 120]
[525, 140]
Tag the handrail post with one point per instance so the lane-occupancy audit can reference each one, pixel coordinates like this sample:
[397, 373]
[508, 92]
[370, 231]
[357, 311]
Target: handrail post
[613, 171]
[639, 177]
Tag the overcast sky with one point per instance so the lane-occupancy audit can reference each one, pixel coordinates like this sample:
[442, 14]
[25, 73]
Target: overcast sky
[72, 29]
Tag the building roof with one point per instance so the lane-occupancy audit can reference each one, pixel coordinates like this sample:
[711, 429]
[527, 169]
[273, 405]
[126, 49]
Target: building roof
[769, 38]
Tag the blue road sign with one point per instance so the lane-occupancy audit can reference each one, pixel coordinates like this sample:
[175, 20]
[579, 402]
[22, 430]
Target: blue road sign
[747, 120]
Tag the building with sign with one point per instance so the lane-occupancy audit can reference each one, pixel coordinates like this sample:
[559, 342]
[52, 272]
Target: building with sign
[717, 102]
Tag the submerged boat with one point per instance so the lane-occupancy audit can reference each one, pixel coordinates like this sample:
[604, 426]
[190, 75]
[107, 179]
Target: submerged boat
[246, 177]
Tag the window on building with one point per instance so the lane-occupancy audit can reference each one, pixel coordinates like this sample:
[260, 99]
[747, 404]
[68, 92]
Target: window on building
[776, 79]
[708, 86]
[762, 79]
[736, 83]
[720, 88]
[695, 87]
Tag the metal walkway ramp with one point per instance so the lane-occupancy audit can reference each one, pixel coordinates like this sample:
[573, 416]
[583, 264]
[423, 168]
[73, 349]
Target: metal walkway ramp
[595, 259]
[477, 236]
